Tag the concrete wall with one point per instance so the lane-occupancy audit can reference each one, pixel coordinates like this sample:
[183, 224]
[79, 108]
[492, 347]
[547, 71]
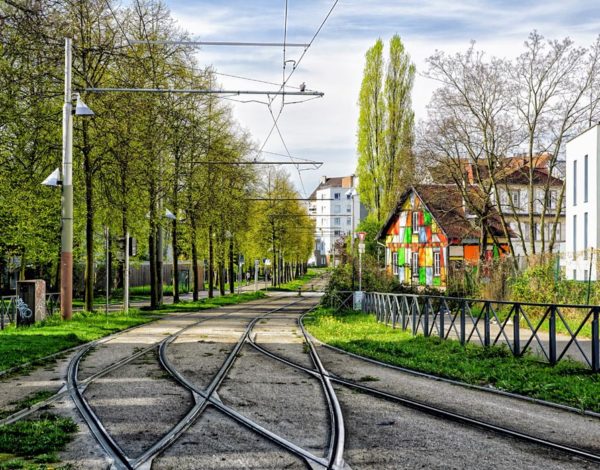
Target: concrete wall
[578, 262]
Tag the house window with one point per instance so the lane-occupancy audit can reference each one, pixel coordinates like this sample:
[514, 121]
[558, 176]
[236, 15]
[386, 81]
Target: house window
[337, 233]
[585, 179]
[349, 195]
[337, 209]
[348, 221]
[348, 210]
[515, 197]
[415, 220]
[585, 274]
[436, 263]
[585, 235]
[574, 274]
[336, 196]
[336, 221]
[559, 232]
[415, 264]
[574, 234]
[552, 198]
[395, 262]
[574, 182]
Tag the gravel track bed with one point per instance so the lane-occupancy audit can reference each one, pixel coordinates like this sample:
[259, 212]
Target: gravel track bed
[283, 337]
[138, 403]
[130, 342]
[217, 442]
[541, 421]
[282, 399]
[384, 435]
[200, 352]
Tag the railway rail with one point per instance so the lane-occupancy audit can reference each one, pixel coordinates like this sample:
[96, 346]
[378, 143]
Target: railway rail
[250, 320]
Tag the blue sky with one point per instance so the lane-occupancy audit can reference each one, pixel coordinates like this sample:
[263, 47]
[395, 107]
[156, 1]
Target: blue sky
[325, 129]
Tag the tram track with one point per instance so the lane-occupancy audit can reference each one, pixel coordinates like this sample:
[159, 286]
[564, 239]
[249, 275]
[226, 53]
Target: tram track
[202, 398]
[435, 411]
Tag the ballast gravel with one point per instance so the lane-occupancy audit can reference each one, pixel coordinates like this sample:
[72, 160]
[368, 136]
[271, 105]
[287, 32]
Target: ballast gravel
[545, 422]
[383, 435]
[138, 403]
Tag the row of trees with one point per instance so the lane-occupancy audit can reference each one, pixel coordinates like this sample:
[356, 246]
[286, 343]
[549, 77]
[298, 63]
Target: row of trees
[139, 156]
[487, 109]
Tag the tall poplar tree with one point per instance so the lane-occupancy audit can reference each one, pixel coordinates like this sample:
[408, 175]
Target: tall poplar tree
[385, 127]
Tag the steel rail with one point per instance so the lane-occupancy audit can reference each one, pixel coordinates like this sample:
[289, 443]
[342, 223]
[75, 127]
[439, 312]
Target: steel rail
[202, 397]
[118, 457]
[445, 414]
[337, 437]
[23, 413]
[493, 391]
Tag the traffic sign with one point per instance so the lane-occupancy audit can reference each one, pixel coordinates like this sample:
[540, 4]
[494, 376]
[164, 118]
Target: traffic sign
[361, 248]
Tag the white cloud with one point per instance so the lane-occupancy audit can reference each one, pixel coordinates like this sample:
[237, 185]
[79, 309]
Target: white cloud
[325, 129]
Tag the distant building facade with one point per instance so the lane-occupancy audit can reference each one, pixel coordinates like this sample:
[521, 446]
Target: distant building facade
[582, 230]
[336, 209]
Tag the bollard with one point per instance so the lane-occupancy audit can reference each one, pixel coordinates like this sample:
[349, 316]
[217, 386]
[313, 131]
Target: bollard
[299, 291]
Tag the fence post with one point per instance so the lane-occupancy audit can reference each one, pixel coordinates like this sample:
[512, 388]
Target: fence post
[463, 322]
[426, 317]
[414, 316]
[442, 314]
[596, 340]
[486, 324]
[394, 309]
[552, 335]
[517, 331]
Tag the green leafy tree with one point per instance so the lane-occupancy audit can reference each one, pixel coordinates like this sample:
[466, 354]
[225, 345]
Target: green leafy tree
[385, 127]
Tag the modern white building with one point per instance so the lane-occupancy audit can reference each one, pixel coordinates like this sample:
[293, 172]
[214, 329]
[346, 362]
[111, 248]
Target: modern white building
[336, 209]
[582, 211]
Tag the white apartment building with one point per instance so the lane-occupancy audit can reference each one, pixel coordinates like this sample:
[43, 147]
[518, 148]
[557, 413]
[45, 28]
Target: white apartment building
[582, 211]
[336, 209]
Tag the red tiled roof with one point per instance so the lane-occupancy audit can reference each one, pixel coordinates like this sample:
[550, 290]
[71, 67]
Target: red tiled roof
[445, 202]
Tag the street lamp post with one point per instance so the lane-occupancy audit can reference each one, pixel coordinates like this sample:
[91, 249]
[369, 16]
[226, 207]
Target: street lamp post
[66, 251]
[66, 236]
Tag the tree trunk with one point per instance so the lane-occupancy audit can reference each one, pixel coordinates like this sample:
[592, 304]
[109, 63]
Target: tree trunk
[89, 225]
[194, 260]
[175, 264]
[231, 273]
[211, 264]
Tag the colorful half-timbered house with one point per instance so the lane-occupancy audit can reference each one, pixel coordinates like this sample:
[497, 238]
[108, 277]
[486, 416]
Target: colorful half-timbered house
[429, 231]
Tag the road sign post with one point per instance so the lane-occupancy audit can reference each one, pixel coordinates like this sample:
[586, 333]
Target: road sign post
[358, 296]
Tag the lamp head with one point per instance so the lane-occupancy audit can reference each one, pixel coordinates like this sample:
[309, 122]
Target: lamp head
[170, 215]
[53, 179]
[81, 109]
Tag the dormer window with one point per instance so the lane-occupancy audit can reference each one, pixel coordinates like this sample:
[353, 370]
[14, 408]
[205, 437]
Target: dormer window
[415, 220]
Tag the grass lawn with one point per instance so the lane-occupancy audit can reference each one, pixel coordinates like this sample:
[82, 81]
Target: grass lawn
[33, 444]
[27, 344]
[296, 284]
[569, 383]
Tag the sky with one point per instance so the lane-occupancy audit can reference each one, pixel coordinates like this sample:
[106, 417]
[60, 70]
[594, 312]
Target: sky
[324, 129]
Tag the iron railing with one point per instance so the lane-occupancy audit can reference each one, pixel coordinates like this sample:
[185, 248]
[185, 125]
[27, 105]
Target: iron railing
[552, 331]
[8, 308]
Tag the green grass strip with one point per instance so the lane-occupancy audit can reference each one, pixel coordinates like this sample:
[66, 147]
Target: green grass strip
[31, 444]
[296, 284]
[569, 382]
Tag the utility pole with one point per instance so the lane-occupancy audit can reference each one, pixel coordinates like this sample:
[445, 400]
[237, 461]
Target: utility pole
[66, 236]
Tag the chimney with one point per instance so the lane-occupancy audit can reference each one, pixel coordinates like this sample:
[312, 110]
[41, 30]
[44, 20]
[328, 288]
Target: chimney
[323, 179]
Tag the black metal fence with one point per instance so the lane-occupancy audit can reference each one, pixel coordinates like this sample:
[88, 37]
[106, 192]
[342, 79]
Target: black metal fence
[554, 332]
[9, 308]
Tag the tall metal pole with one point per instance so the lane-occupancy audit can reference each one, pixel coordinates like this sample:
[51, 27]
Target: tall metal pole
[360, 271]
[107, 268]
[66, 252]
[126, 276]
